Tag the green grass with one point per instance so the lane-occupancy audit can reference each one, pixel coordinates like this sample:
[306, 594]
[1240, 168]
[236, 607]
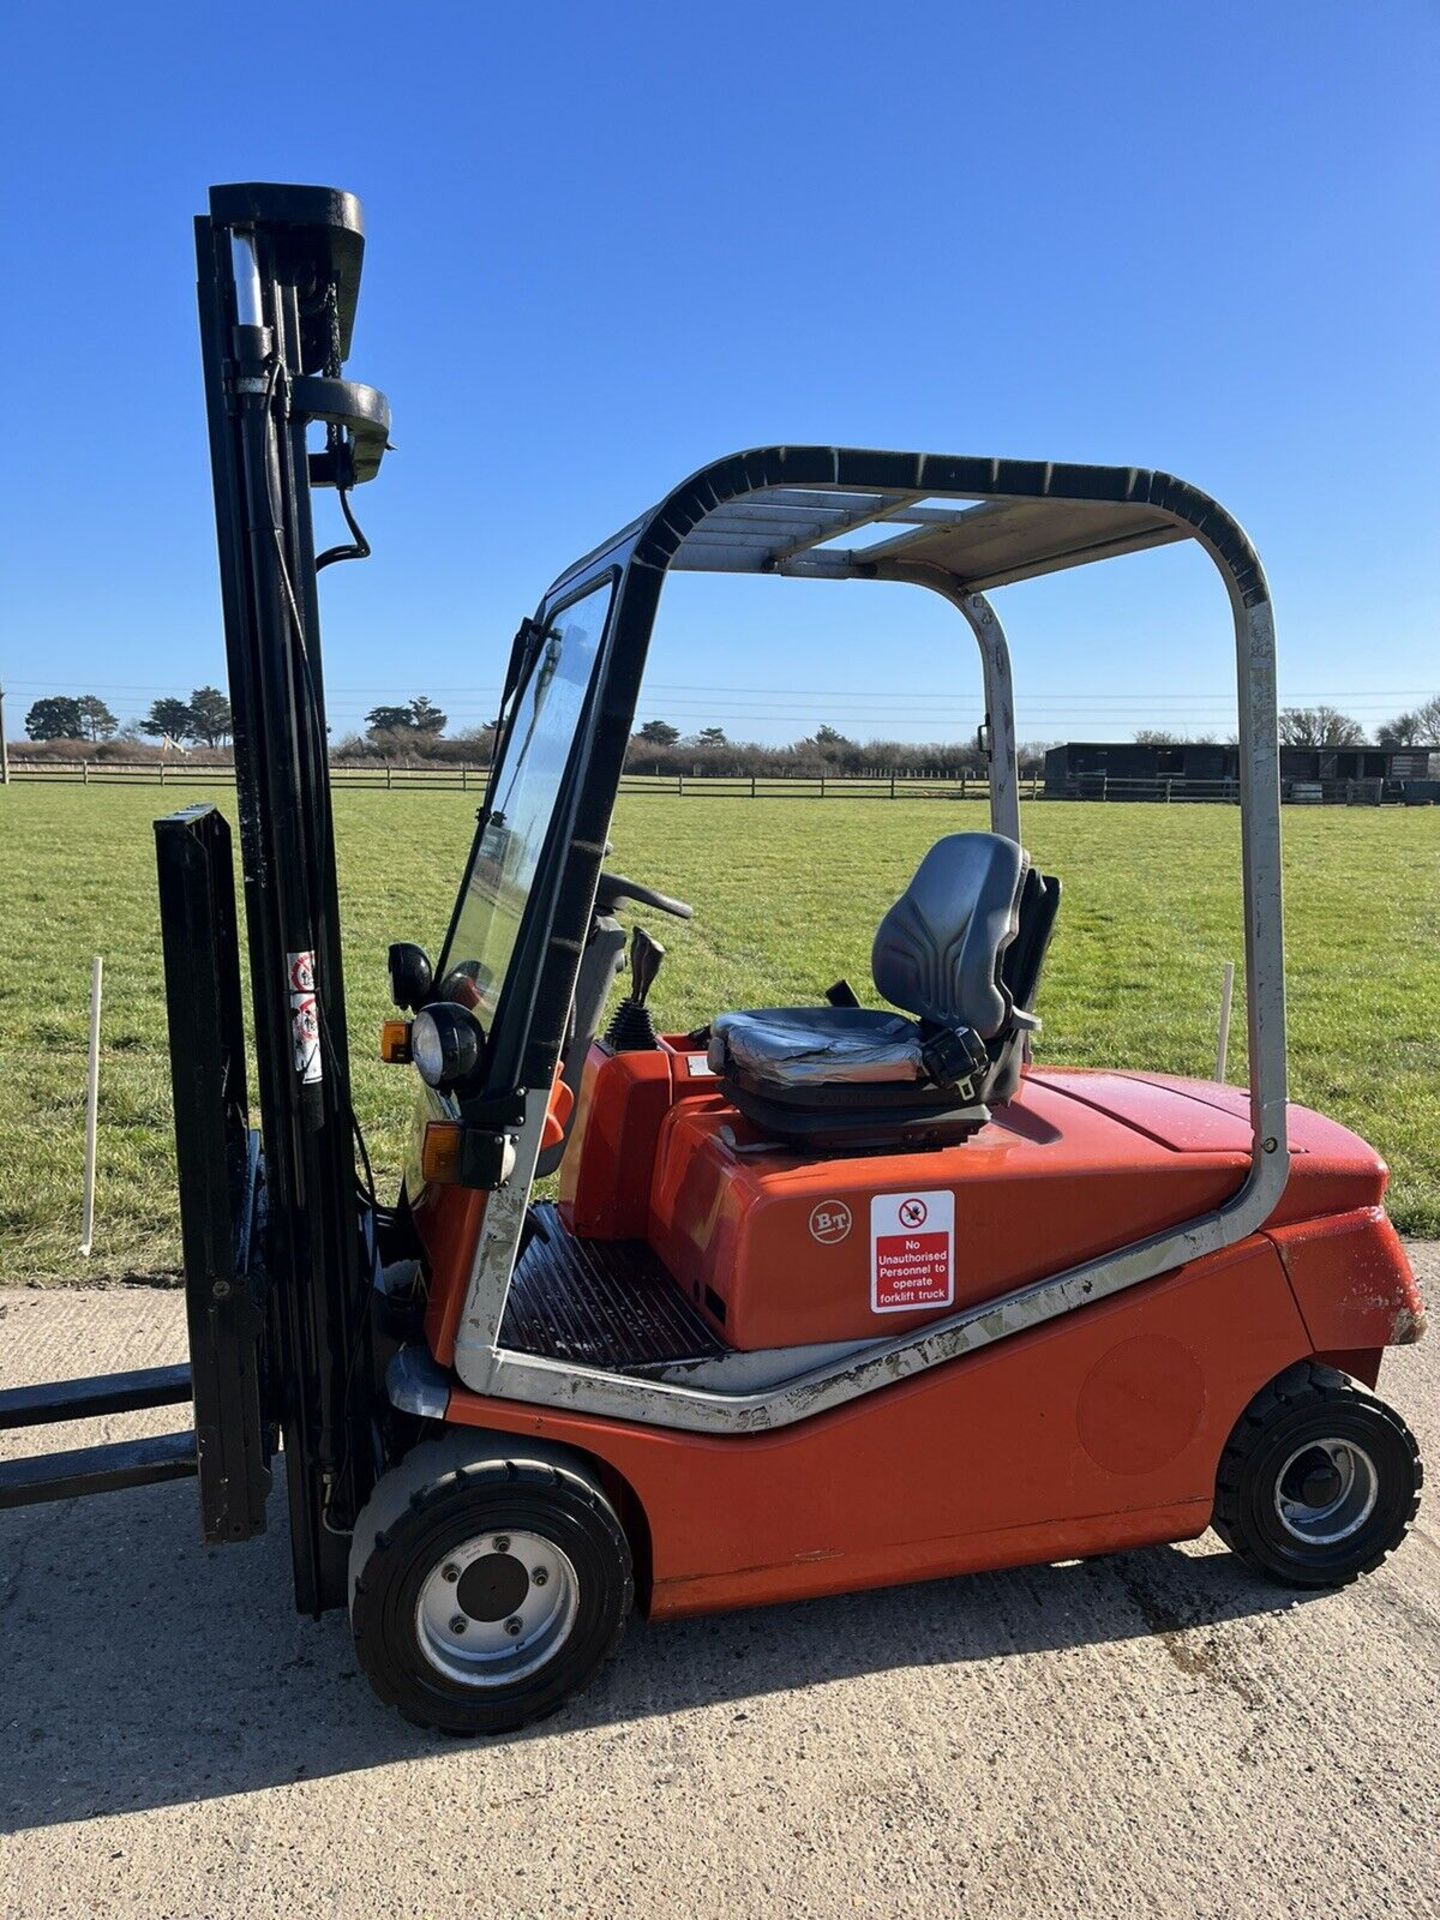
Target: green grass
[787, 896]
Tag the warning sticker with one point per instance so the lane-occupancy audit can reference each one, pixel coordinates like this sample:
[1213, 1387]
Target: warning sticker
[305, 1018]
[912, 1251]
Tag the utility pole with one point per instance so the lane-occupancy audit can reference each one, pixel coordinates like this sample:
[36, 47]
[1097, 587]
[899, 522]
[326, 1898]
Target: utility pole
[4, 750]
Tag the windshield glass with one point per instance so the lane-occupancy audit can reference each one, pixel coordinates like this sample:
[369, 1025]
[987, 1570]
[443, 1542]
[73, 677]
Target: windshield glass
[524, 797]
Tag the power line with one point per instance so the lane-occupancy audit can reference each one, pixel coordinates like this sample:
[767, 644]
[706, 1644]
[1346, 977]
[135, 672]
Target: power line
[479, 692]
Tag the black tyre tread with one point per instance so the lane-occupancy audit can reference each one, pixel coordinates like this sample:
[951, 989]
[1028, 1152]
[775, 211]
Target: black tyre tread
[1308, 1382]
[438, 1458]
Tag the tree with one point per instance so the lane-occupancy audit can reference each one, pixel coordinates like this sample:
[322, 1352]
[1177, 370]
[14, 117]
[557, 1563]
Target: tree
[211, 721]
[1156, 737]
[477, 743]
[97, 722]
[711, 737]
[168, 719]
[1420, 728]
[1319, 727]
[419, 715]
[659, 733]
[58, 718]
[425, 716]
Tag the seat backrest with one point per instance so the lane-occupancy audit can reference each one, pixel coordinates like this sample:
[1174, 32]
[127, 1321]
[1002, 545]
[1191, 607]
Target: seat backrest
[938, 951]
[1020, 970]
[1039, 903]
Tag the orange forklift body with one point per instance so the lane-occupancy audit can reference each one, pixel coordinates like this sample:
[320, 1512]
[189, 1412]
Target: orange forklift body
[1100, 1429]
[1084, 1436]
[1082, 1160]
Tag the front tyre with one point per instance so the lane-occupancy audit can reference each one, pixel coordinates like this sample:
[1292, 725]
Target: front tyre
[485, 1591]
[1319, 1481]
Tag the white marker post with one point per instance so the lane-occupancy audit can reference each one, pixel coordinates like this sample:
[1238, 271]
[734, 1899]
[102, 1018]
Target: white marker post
[1222, 1044]
[92, 1109]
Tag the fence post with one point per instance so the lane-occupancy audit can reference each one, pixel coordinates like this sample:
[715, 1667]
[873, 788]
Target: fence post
[822, 786]
[162, 772]
[892, 783]
[92, 1109]
[387, 776]
[679, 785]
[84, 773]
[464, 781]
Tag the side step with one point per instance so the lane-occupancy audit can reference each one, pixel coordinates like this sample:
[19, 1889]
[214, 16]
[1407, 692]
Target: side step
[125, 1463]
[87, 1399]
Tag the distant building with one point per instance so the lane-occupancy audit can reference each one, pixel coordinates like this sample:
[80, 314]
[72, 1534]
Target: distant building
[1200, 770]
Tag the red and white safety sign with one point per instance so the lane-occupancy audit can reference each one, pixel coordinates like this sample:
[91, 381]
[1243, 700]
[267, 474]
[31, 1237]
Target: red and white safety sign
[305, 1017]
[912, 1251]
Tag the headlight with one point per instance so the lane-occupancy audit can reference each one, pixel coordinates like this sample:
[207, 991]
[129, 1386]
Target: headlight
[447, 1044]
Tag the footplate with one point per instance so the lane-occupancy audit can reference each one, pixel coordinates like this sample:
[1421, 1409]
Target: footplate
[600, 1303]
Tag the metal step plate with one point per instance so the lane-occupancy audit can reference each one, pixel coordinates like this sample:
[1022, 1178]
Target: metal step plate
[600, 1303]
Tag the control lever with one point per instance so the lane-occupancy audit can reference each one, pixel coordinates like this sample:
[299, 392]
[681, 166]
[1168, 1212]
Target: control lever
[632, 1030]
[646, 953]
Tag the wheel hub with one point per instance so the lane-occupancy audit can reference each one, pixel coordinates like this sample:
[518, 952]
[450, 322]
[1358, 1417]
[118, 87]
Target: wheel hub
[496, 1608]
[1326, 1491]
[493, 1587]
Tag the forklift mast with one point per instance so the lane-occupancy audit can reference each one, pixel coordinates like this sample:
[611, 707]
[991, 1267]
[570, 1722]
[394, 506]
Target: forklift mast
[280, 1243]
[279, 273]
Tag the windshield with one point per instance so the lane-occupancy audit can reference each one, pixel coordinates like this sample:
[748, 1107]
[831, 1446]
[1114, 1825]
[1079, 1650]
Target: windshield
[524, 796]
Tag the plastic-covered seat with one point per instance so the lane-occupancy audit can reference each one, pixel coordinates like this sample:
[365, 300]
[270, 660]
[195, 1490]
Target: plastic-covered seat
[820, 1046]
[960, 951]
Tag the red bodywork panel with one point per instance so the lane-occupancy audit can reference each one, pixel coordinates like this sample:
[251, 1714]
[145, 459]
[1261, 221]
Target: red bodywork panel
[1099, 1430]
[778, 1250]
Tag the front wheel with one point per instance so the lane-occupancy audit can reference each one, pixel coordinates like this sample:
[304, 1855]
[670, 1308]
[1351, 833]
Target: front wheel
[1319, 1481]
[485, 1591]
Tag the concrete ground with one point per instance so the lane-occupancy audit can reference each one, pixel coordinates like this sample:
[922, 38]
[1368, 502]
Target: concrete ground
[1153, 1734]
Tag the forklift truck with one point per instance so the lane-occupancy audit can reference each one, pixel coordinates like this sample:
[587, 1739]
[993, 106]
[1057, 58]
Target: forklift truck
[830, 1297]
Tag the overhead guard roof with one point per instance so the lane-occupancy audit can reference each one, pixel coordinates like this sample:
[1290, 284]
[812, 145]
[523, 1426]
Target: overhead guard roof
[781, 529]
[857, 513]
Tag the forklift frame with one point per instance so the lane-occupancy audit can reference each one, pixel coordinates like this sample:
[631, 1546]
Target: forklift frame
[970, 525]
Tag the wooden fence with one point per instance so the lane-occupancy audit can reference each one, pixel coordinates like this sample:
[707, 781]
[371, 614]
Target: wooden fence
[462, 779]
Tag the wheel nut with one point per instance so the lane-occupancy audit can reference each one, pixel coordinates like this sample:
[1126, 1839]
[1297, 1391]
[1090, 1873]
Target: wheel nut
[459, 1623]
[450, 1573]
[513, 1626]
[502, 1543]
[539, 1576]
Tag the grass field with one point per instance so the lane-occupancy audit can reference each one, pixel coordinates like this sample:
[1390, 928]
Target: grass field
[787, 895]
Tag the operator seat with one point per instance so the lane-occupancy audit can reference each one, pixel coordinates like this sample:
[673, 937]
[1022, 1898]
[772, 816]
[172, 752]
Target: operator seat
[961, 952]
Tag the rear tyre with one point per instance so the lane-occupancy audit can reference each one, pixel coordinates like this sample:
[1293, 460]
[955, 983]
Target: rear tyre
[485, 1591]
[1319, 1481]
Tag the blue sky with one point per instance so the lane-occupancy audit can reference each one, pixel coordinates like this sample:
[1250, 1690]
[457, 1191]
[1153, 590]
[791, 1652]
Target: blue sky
[610, 243]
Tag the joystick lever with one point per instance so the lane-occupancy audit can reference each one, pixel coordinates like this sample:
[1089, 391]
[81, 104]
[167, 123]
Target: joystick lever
[646, 954]
[632, 1030]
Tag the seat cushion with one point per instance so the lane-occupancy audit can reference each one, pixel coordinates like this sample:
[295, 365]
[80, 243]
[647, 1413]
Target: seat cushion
[817, 1046]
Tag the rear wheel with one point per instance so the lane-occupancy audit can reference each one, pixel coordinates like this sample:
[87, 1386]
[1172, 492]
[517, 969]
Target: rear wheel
[1319, 1482]
[485, 1591]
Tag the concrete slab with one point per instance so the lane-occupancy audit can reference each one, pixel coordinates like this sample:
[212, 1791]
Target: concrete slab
[1153, 1734]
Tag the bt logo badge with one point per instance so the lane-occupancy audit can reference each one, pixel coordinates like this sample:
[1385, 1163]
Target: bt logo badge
[830, 1222]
